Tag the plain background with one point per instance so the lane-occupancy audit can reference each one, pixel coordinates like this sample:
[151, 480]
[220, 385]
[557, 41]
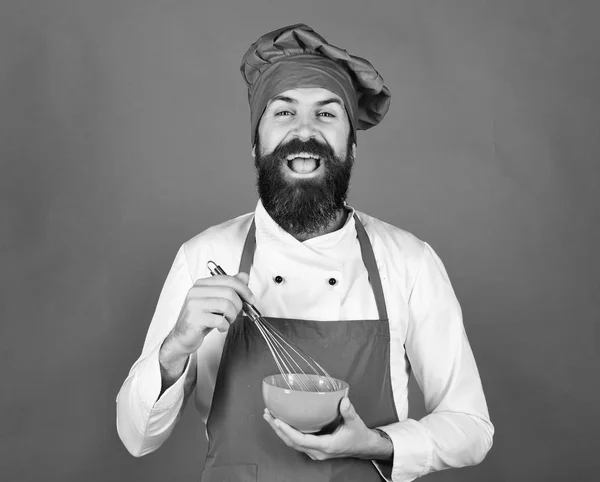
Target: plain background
[124, 131]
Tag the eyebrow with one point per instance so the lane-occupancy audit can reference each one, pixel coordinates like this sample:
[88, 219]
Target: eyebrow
[321, 103]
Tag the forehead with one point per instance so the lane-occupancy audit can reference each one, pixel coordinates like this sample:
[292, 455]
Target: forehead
[307, 96]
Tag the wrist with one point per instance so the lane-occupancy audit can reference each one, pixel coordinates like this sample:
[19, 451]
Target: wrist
[172, 359]
[382, 447]
[171, 350]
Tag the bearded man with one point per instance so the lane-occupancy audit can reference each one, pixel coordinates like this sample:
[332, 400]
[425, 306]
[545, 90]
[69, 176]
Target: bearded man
[369, 301]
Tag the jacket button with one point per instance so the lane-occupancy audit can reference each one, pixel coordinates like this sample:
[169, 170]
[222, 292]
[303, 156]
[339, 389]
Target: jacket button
[332, 281]
[278, 279]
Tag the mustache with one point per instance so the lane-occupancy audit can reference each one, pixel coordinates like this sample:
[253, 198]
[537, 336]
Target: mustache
[296, 146]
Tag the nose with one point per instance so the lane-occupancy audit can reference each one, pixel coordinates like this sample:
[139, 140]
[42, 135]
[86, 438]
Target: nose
[305, 128]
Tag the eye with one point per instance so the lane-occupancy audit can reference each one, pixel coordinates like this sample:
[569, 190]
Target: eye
[326, 114]
[283, 113]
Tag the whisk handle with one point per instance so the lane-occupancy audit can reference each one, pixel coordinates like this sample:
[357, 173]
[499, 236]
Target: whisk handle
[248, 308]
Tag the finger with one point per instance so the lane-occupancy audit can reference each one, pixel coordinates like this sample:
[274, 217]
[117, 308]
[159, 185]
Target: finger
[269, 418]
[243, 277]
[276, 426]
[213, 320]
[201, 293]
[301, 440]
[290, 433]
[239, 285]
[271, 421]
[217, 306]
[223, 324]
[316, 455]
[246, 292]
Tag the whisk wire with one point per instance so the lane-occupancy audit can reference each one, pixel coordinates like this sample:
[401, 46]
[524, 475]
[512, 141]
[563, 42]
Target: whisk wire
[291, 362]
[279, 361]
[309, 362]
[281, 349]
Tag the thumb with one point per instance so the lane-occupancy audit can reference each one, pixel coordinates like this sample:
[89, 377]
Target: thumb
[347, 410]
[246, 294]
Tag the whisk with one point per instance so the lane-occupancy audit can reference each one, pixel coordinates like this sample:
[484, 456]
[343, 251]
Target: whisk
[289, 358]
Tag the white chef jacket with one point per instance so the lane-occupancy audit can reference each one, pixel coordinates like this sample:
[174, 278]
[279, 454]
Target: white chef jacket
[425, 323]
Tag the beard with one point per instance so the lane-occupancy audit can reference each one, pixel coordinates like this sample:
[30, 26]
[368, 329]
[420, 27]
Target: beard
[303, 206]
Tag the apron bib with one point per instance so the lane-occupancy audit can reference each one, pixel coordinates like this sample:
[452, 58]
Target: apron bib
[242, 447]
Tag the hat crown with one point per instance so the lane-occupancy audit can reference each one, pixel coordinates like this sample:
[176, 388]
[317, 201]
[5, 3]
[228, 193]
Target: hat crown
[298, 39]
[276, 45]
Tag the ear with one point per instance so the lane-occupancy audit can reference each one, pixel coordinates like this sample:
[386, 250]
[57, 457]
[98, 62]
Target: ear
[354, 150]
[254, 151]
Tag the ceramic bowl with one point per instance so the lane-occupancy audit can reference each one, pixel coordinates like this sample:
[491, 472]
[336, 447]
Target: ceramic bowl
[306, 411]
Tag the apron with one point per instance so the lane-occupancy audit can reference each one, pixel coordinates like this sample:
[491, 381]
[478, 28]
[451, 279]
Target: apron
[242, 446]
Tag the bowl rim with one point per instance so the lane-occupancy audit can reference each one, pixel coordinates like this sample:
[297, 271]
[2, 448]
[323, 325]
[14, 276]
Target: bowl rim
[343, 386]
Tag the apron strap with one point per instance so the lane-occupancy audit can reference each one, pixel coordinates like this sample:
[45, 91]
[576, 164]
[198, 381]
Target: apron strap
[368, 257]
[248, 251]
[366, 250]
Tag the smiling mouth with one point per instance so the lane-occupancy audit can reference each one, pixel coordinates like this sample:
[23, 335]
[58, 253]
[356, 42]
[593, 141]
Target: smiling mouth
[303, 163]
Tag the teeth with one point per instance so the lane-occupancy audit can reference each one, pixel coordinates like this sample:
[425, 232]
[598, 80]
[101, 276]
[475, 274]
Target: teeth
[303, 155]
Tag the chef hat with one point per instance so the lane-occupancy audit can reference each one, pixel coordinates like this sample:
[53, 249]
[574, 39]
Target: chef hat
[296, 56]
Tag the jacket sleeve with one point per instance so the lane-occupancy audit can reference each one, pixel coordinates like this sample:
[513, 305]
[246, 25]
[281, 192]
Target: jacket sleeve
[457, 431]
[145, 421]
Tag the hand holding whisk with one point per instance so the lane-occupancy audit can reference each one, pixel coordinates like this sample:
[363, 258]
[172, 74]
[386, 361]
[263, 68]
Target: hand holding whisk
[295, 366]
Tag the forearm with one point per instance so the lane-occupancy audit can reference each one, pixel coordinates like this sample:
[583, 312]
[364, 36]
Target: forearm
[145, 416]
[457, 432]
[172, 362]
[437, 442]
[457, 439]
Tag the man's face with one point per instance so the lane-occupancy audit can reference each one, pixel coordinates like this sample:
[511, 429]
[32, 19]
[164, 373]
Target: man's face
[304, 155]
